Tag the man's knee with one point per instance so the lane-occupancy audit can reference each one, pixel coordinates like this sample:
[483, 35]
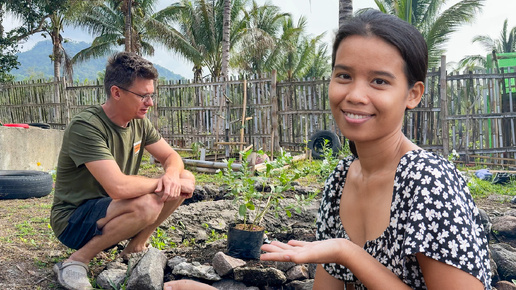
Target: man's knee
[148, 207]
[187, 175]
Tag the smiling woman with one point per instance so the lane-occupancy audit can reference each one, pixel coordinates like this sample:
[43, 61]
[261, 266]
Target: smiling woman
[393, 215]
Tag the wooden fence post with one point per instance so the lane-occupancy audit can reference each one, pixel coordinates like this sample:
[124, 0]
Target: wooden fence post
[274, 113]
[66, 104]
[444, 108]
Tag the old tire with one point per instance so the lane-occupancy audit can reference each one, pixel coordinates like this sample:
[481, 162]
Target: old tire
[21, 184]
[316, 143]
[40, 125]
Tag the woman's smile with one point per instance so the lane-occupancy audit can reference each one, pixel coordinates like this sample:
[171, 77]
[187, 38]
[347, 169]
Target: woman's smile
[356, 118]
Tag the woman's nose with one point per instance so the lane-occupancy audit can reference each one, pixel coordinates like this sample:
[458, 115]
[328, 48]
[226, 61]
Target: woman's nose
[357, 93]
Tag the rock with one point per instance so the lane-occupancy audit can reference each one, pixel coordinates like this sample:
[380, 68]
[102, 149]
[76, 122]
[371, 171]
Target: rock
[300, 285]
[486, 221]
[224, 264]
[201, 193]
[200, 235]
[513, 200]
[311, 270]
[117, 265]
[149, 272]
[171, 263]
[228, 284]
[494, 269]
[111, 278]
[284, 266]
[196, 270]
[505, 285]
[134, 258]
[214, 192]
[298, 272]
[505, 226]
[511, 212]
[259, 276]
[217, 224]
[498, 197]
[306, 190]
[505, 257]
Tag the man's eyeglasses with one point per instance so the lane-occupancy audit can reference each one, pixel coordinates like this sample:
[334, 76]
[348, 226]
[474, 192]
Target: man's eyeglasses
[144, 97]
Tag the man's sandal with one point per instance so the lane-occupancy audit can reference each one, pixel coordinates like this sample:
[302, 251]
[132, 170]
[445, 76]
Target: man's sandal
[73, 275]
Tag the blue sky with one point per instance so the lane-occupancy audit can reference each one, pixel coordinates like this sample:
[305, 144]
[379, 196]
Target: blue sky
[322, 16]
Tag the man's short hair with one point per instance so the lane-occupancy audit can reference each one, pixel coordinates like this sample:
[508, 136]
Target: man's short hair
[124, 67]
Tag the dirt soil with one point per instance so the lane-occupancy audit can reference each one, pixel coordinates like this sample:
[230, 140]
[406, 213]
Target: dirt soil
[28, 248]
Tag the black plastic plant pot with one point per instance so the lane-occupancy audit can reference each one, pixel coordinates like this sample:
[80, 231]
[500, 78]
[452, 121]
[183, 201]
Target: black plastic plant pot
[245, 244]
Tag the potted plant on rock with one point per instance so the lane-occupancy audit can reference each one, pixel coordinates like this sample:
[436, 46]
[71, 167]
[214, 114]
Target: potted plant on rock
[257, 192]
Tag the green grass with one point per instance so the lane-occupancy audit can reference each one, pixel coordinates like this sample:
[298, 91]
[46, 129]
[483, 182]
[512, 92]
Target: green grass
[482, 188]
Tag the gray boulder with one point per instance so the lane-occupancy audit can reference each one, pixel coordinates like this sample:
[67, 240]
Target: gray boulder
[149, 272]
[260, 276]
[224, 264]
[505, 257]
[196, 270]
[505, 226]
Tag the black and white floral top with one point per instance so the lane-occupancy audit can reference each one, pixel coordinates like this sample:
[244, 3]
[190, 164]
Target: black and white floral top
[432, 212]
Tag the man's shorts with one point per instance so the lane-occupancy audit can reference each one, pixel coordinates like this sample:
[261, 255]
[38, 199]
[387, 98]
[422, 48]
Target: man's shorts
[82, 225]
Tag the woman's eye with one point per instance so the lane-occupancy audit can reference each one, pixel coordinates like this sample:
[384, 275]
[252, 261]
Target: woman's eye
[379, 82]
[343, 76]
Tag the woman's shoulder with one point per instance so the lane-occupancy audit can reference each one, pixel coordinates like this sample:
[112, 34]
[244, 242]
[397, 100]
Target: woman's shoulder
[424, 161]
[427, 169]
[342, 167]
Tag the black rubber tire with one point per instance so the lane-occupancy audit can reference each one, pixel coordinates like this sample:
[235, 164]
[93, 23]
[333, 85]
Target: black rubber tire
[21, 184]
[40, 125]
[316, 143]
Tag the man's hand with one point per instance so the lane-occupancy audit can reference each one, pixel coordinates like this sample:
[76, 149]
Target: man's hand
[186, 186]
[169, 187]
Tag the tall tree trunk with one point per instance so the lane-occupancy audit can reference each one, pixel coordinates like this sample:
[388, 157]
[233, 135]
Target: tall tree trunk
[345, 11]
[2, 12]
[128, 23]
[56, 52]
[226, 26]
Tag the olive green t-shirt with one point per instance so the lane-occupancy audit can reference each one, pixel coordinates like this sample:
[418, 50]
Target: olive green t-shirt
[92, 136]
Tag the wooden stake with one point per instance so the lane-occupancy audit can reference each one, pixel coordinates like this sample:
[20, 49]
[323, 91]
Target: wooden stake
[244, 108]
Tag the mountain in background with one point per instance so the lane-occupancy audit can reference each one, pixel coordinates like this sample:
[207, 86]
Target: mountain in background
[36, 64]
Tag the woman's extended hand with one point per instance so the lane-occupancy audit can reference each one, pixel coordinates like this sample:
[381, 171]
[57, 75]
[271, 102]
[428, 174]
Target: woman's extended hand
[318, 252]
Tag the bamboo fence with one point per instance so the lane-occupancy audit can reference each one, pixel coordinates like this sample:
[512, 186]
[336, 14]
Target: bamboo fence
[472, 113]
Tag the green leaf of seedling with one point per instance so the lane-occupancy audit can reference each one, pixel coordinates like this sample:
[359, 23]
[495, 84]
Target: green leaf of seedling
[250, 205]
[242, 210]
[289, 214]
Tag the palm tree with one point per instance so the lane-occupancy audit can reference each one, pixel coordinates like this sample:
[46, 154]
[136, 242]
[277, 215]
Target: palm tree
[107, 22]
[264, 23]
[430, 18]
[200, 30]
[58, 19]
[225, 37]
[59, 55]
[345, 11]
[296, 51]
[505, 43]
[41, 16]
[320, 64]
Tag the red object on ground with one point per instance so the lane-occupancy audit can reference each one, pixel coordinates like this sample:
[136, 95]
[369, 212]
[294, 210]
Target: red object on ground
[26, 126]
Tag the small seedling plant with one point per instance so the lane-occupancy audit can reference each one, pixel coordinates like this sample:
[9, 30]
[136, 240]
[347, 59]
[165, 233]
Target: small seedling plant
[260, 191]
